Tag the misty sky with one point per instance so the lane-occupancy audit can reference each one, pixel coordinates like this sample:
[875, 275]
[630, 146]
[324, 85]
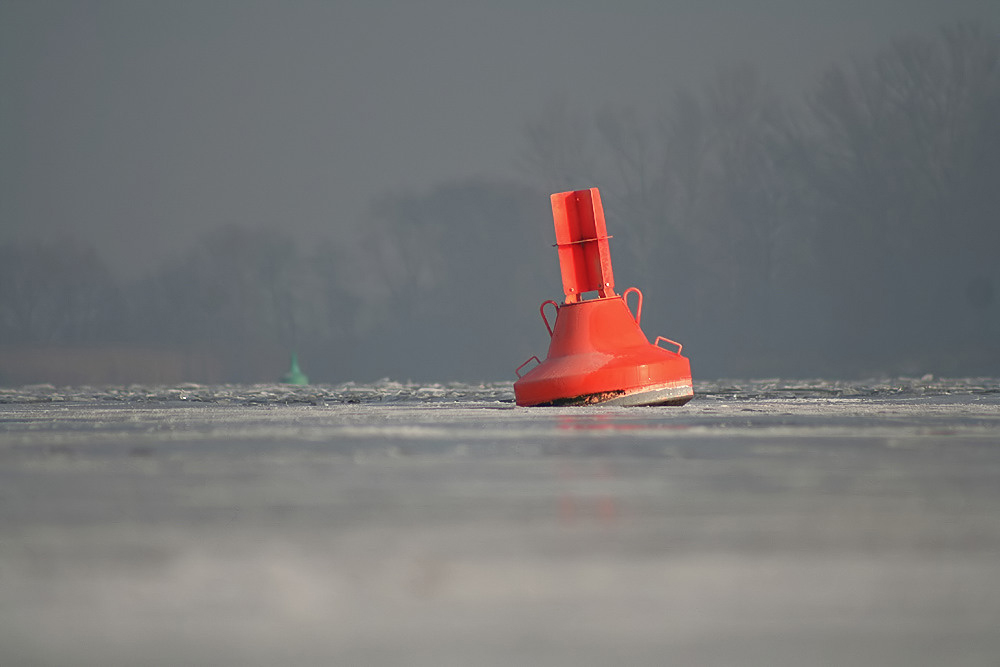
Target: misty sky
[136, 125]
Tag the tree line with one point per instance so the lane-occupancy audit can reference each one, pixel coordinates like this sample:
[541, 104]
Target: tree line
[851, 231]
[854, 230]
[420, 290]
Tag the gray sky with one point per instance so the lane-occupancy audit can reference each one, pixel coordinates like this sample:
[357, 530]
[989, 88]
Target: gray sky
[136, 124]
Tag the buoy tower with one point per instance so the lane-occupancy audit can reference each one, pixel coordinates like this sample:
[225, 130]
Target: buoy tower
[597, 352]
[295, 374]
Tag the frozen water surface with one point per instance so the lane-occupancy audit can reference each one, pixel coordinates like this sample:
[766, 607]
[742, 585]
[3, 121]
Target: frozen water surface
[764, 523]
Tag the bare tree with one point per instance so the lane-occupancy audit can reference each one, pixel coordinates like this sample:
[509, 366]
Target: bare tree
[557, 151]
[56, 293]
[906, 140]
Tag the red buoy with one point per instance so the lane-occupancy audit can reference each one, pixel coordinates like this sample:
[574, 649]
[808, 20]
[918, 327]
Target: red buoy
[597, 352]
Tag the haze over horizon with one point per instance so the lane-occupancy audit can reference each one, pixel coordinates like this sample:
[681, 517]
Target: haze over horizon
[136, 126]
[144, 129]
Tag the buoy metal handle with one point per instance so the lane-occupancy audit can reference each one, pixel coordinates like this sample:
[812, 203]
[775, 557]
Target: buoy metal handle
[672, 342]
[638, 307]
[541, 309]
[517, 371]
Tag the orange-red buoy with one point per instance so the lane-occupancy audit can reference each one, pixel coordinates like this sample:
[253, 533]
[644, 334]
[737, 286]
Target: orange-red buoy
[597, 352]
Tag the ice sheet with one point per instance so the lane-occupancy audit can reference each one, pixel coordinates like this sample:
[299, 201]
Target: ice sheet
[764, 523]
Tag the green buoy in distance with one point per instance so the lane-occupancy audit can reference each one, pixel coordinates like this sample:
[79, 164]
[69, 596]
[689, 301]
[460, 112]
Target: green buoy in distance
[295, 374]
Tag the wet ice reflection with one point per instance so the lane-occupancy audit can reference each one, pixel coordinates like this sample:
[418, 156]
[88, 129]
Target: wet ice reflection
[448, 527]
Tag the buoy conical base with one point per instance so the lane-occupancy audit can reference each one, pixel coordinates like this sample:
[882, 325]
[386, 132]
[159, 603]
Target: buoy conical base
[598, 354]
